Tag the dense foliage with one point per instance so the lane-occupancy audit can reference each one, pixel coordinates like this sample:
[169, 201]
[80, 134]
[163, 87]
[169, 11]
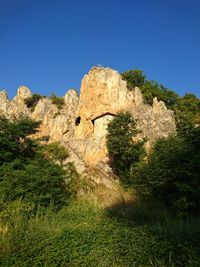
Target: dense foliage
[56, 152]
[169, 173]
[25, 170]
[173, 168]
[134, 78]
[150, 89]
[189, 107]
[34, 182]
[123, 151]
[189, 104]
[32, 101]
[58, 101]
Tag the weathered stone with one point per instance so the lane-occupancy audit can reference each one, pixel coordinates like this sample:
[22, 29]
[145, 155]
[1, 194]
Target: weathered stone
[3, 101]
[15, 107]
[81, 125]
[103, 94]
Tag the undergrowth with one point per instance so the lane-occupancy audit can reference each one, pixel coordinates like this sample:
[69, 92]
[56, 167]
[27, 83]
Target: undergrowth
[83, 234]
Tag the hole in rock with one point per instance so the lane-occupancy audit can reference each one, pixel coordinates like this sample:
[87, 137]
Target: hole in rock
[78, 120]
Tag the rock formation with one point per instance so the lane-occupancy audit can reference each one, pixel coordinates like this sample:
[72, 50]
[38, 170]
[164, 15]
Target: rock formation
[81, 124]
[103, 94]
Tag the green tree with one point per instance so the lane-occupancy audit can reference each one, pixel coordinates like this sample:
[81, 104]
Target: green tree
[189, 106]
[25, 172]
[134, 78]
[150, 89]
[123, 151]
[39, 181]
[171, 173]
[15, 139]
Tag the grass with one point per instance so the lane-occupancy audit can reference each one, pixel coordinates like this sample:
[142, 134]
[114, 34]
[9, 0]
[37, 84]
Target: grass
[85, 234]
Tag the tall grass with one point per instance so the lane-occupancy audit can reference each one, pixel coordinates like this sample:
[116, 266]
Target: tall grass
[84, 234]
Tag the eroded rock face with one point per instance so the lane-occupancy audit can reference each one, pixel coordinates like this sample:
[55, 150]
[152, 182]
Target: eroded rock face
[58, 124]
[103, 95]
[15, 107]
[82, 123]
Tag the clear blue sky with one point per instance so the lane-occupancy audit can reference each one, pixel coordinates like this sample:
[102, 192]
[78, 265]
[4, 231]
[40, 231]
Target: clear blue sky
[48, 45]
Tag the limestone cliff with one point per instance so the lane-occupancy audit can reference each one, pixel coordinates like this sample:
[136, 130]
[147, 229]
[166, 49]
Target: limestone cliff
[103, 94]
[81, 124]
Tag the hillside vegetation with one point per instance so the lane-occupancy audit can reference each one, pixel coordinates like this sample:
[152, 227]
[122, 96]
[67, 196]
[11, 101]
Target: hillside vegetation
[189, 104]
[47, 215]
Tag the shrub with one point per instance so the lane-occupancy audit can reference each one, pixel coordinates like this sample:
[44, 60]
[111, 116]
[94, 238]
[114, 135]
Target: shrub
[39, 181]
[16, 141]
[58, 101]
[150, 89]
[56, 152]
[25, 173]
[32, 101]
[123, 151]
[172, 171]
[134, 78]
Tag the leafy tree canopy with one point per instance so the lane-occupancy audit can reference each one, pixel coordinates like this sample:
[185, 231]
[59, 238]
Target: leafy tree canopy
[134, 78]
[123, 151]
[26, 172]
[189, 104]
[171, 173]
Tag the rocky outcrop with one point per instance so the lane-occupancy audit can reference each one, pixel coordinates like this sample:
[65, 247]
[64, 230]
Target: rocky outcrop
[82, 123]
[57, 123]
[15, 107]
[103, 94]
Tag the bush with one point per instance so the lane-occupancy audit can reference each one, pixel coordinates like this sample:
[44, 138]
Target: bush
[189, 107]
[25, 172]
[32, 101]
[150, 89]
[58, 101]
[134, 78]
[16, 141]
[172, 171]
[38, 181]
[123, 151]
[56, 152]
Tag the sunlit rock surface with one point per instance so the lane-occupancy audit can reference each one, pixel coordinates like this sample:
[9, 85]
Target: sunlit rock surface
[81, 124]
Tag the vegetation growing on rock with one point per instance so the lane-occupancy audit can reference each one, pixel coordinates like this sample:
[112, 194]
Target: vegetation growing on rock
[32, 101]
[134, 78]
[58, 101]
[42, 224]
[170, 173]
[189, 103]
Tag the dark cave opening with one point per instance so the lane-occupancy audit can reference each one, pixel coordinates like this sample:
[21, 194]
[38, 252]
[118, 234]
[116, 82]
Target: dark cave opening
[78, 120]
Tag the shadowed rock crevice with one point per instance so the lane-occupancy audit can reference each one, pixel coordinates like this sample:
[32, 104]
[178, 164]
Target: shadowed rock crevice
[77, 121]
[107, 113]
